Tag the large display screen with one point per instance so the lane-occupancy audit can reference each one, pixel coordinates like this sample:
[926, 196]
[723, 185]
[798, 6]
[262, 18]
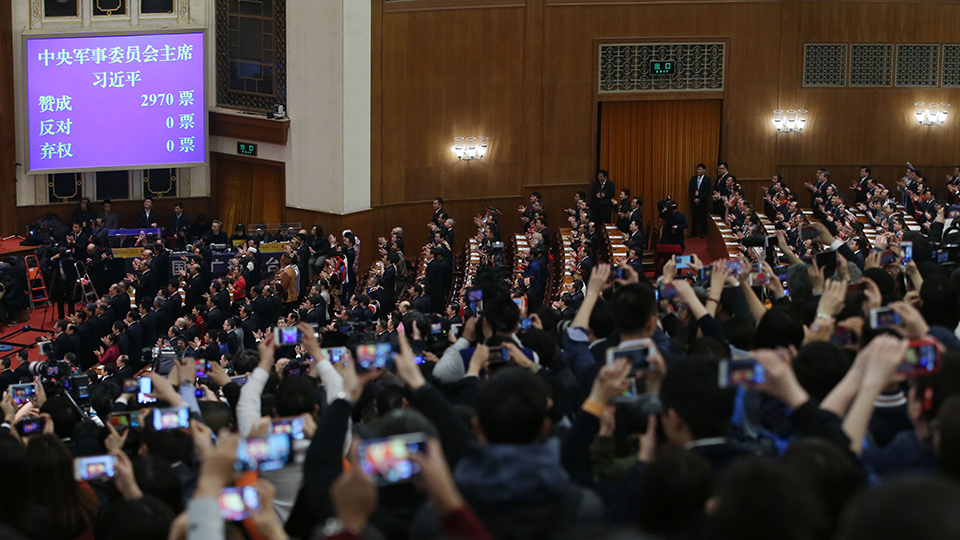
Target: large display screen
[121, 101]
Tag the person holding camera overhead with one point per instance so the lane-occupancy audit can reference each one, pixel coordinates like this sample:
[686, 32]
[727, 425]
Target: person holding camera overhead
[674, 223]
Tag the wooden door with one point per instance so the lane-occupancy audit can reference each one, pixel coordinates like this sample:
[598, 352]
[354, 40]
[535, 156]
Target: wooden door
[653, 147]
[247, 190]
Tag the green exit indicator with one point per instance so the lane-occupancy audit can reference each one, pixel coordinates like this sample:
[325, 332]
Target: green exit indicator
[662, 68]
[246, 149]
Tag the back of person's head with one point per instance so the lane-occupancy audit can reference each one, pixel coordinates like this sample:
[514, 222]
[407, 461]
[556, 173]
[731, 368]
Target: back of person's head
[14, 473]
[690, 388]
[403, 421]
[739, 332]
[829, 470]
[798, 281]
[602, 320]
[947, 437]
[294, 396]
[759, 500]
[940, 303]
[215, 415]
[672, 494]
[65, 416]
[501, 314]
[146, 518]
[512, 407]
[53, 487]
[634, 305]
[931, 391]
[921, 507]
[172, 445]
[819, 366]
[390, 399]
[778, 328]
[156, 478]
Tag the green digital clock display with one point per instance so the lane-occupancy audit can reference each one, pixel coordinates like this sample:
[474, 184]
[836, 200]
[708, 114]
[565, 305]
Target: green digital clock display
[246, 149]
[662, 68]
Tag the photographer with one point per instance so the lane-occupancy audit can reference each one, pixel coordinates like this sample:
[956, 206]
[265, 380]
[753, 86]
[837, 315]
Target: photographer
[674, 223]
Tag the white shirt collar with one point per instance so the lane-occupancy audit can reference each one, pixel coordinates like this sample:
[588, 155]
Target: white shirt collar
[712, 441]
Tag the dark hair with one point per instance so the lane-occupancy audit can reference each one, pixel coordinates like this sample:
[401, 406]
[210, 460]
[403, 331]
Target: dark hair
[14, 472]
[778, 328]
[865, 168]
[912, 507]
[390, 399]
[439, 200]
[760, 500]
[294, 396]
[633, 306]
[690, 388]
[512, 406]
[829, 471]
[537, 195]
[146, 518]
[246, 361]
[724, 165]
[604, 173]
[156, 478]
[948, 425]
[148, 198]
[107, 201]
[52, 486]
[672, 494]
[819, 366]
[502, 314]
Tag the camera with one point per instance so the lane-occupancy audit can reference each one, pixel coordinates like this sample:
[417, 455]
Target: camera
[666, 207]
[51, 370]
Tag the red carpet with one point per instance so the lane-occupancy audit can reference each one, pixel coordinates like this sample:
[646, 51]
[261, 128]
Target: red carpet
[698, 246]
[13, 247]
[29, 337]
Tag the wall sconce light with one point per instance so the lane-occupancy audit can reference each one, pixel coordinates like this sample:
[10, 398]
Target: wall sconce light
[793, 120]
[470, 148]
[931, 114]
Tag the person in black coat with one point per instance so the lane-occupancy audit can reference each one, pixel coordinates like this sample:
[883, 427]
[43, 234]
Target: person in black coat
[177, 225]
[700, 192]
[119, 302]
[149, 323]
[214, 317]
[601, 197]
[674, 223]
[249, 324]
[148, 218]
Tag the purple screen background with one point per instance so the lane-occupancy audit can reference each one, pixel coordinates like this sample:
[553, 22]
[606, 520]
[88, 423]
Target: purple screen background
[110, 127]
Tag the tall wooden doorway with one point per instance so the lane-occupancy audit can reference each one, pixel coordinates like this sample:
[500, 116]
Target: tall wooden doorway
[653, 147]
[247, 190]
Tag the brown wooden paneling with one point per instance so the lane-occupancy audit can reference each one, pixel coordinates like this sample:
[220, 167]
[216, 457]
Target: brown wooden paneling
[126, 210]
[247, 190]
[448, 73]
[8, 143]
[249, 127]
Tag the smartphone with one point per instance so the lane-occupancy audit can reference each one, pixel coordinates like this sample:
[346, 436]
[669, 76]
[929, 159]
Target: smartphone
[334, 354]
[888, 257]
[922, 357]
[616, 272]
[883, 317]
[130, 386]
[475, 296]
[201, 367]
[758, 279]
[418, 359]
[906, 252]
[90, 468]
[23, 393]
[200, 393]
[736, 372]
[288, 426]
[684, 261]
[517, 301]
[374, 355]
[525, 323]
[387, 460]
[239, 379]
[942, 255]
[843, 337]
[705, 273]
[236, 502]
[126, 419]
[638, 355]
[145, 385]
[455, 329]
[31, 425]
[171, 418]
[499, 355]
[953, 212]
[667, 291]
[287, 335]
[827, 259]
[630, 392]
[264, 453]
[734, 267]
[781, 271]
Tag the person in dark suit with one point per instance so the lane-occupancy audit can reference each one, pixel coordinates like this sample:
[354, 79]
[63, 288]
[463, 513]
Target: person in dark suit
[134, 333]
[624, 210]
[699, 191]
[674, 223]
[249, 324]
[119, 302]
[148, 218]
[723, 171]
[148, 322]
[439, 214]
[388, 280]
[434, 280]
[7, 375]
[174, 300]
[193, 287]
[419, 302]
[585, 266]
[859, 187]
[636, 239]
[453, 314]
[601, 197]
[214, 317]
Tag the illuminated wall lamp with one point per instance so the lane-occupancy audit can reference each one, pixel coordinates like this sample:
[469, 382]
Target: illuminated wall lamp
[931, 114]
[470, 148]
[791, 121]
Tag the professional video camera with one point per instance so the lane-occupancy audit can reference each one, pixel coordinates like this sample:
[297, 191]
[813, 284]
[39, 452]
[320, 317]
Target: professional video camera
[51, 370]
[665, 207]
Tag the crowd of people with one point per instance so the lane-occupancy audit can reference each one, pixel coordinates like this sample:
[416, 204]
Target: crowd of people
[773, 395]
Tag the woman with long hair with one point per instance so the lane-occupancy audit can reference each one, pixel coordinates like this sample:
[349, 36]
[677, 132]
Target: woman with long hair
[72, 505]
